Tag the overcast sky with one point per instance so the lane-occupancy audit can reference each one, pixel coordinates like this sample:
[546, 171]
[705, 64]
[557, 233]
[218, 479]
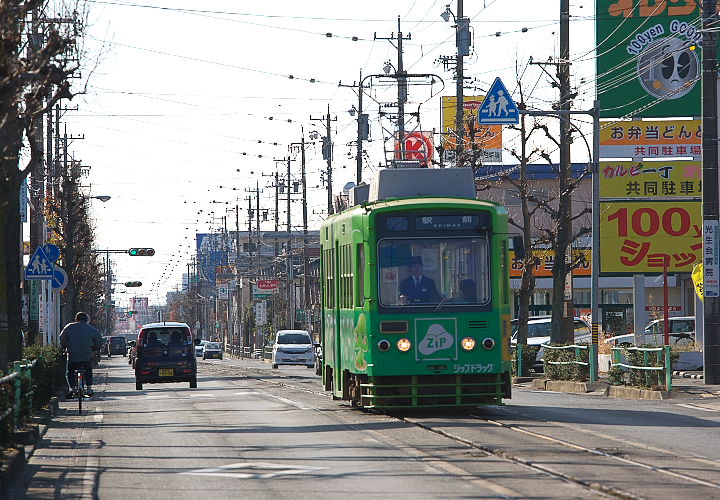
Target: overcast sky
[189, 103]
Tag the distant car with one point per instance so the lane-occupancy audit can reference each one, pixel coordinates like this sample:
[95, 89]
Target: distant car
[212, 350]
[539, 328]
[199, 348]
[116, 345]
[293, 347]
[165, 354]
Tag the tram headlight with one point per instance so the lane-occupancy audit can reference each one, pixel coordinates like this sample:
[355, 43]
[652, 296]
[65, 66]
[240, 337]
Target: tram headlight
[403, 345]
[468, 343]
[384, 345]
[488, 343]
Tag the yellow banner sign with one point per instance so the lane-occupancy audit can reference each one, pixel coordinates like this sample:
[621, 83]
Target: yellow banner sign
[545, 262]
[486, 137]
[651, 139]
[646, 237]
[651, 179]
[697, 279]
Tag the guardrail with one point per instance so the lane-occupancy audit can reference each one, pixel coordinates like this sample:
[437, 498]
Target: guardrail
[592, 349]
[663, 360]
[21, 378]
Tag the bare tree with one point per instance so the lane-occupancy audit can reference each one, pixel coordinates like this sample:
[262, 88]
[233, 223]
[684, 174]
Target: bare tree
[34, 75]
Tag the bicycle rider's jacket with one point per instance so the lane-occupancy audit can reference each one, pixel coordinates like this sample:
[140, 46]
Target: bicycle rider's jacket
[80, 339]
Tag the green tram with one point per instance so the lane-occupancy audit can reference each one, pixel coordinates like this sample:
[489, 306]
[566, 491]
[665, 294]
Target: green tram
[416, 294]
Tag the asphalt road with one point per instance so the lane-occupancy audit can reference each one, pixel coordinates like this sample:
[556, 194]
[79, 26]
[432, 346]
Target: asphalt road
[253, 432]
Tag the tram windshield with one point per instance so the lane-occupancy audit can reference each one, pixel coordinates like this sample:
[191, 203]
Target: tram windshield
[434, 271]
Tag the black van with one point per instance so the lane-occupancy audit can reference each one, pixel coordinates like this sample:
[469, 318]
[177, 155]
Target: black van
[116, 345]
[165, 352]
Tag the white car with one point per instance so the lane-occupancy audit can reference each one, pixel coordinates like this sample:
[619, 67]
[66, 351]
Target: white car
[199, 348]
[293, 347]
[539, 328]
[681, 331]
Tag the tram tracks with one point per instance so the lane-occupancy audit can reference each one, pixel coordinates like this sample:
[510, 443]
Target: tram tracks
[598, 488]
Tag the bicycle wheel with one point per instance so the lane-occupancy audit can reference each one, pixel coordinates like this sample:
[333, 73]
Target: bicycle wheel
[80, 387]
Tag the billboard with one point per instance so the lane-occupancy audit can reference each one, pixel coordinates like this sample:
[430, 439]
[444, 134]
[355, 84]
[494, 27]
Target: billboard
[648, 57]
[652, 179]
[212, 251]
[543, 267]
[488, 138]
[651, 139]
[266, 287]
[645, 236]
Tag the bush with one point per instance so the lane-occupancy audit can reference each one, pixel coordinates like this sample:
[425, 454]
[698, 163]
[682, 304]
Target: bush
[653, 379]
[616, 375]
[48, 374]
[567, 370]
[529, 353]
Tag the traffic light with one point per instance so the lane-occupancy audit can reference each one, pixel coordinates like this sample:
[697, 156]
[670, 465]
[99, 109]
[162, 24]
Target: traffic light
[141, 252]
[133, 283]
[130, 313]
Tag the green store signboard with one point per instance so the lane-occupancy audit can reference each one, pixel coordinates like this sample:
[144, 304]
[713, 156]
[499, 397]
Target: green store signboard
[649, 57]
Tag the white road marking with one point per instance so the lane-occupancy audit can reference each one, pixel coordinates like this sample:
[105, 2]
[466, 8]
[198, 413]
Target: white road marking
[259, 470]
[98, 417]
[157, 396]
[696, 407]
[290, 402]
[202, 395]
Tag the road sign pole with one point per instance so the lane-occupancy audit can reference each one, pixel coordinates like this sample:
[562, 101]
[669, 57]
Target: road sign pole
[711, 361]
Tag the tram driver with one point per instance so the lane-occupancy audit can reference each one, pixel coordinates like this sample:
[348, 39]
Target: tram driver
[417, 288]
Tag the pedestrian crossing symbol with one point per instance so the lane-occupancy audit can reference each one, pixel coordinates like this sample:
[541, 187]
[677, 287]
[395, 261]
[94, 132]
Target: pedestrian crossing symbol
[39, 267]
[498, 107]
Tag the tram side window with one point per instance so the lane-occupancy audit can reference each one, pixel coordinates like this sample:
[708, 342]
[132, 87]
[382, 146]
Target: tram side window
[360, 292]
[346, 277]
[329, 281]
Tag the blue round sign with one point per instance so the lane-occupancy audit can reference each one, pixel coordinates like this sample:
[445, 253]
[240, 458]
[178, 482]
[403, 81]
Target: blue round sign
[52, 252]
[60, 279]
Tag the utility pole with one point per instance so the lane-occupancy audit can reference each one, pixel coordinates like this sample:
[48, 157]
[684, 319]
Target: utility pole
[363, 127]
[327, 155]
[463, 49]
[291, 295]
[401, 77]
[711, 211]
[306, 267]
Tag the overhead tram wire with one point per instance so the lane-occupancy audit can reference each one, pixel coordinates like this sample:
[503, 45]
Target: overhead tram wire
[216, 63]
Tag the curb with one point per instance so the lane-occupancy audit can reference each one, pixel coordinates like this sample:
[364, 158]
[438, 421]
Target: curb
[13, 460]
[625, 392]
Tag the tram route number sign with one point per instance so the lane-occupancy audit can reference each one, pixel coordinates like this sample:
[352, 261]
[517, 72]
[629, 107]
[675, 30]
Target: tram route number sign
[645, 237]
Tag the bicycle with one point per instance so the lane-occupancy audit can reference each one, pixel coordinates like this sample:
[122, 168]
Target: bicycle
[80, 387]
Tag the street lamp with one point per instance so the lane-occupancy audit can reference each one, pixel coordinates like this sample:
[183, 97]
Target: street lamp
[446, 15]
[102, 198]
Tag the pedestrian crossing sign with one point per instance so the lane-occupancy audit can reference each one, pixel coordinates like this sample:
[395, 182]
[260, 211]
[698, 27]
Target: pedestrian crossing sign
[39, 267]
[498, 107]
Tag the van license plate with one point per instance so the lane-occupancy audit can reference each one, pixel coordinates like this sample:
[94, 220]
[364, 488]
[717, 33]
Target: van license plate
[165, 372]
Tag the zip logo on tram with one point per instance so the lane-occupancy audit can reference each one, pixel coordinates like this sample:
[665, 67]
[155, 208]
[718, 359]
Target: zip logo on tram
[436, 337]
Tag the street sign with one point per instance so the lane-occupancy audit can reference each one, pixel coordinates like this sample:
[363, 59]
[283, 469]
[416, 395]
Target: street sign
[52, 252]
[60, 279]
[498, 107]
[39, 267]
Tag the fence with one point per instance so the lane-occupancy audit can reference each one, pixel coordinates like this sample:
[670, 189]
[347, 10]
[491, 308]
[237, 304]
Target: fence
[250, 352]
[662, 360]
[591, 362]
[19, 402]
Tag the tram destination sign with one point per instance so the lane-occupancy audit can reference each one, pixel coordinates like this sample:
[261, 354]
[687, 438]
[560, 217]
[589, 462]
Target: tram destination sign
[446, 222]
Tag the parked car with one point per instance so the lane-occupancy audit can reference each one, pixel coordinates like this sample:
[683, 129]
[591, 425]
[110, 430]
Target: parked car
[212, 350]
[539, 328]
[116, 345]
[199, 348]
[293, 347]
[681, 331]
[165, 353]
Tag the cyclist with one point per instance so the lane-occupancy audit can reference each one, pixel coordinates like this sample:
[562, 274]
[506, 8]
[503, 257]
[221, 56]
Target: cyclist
[80, 339]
